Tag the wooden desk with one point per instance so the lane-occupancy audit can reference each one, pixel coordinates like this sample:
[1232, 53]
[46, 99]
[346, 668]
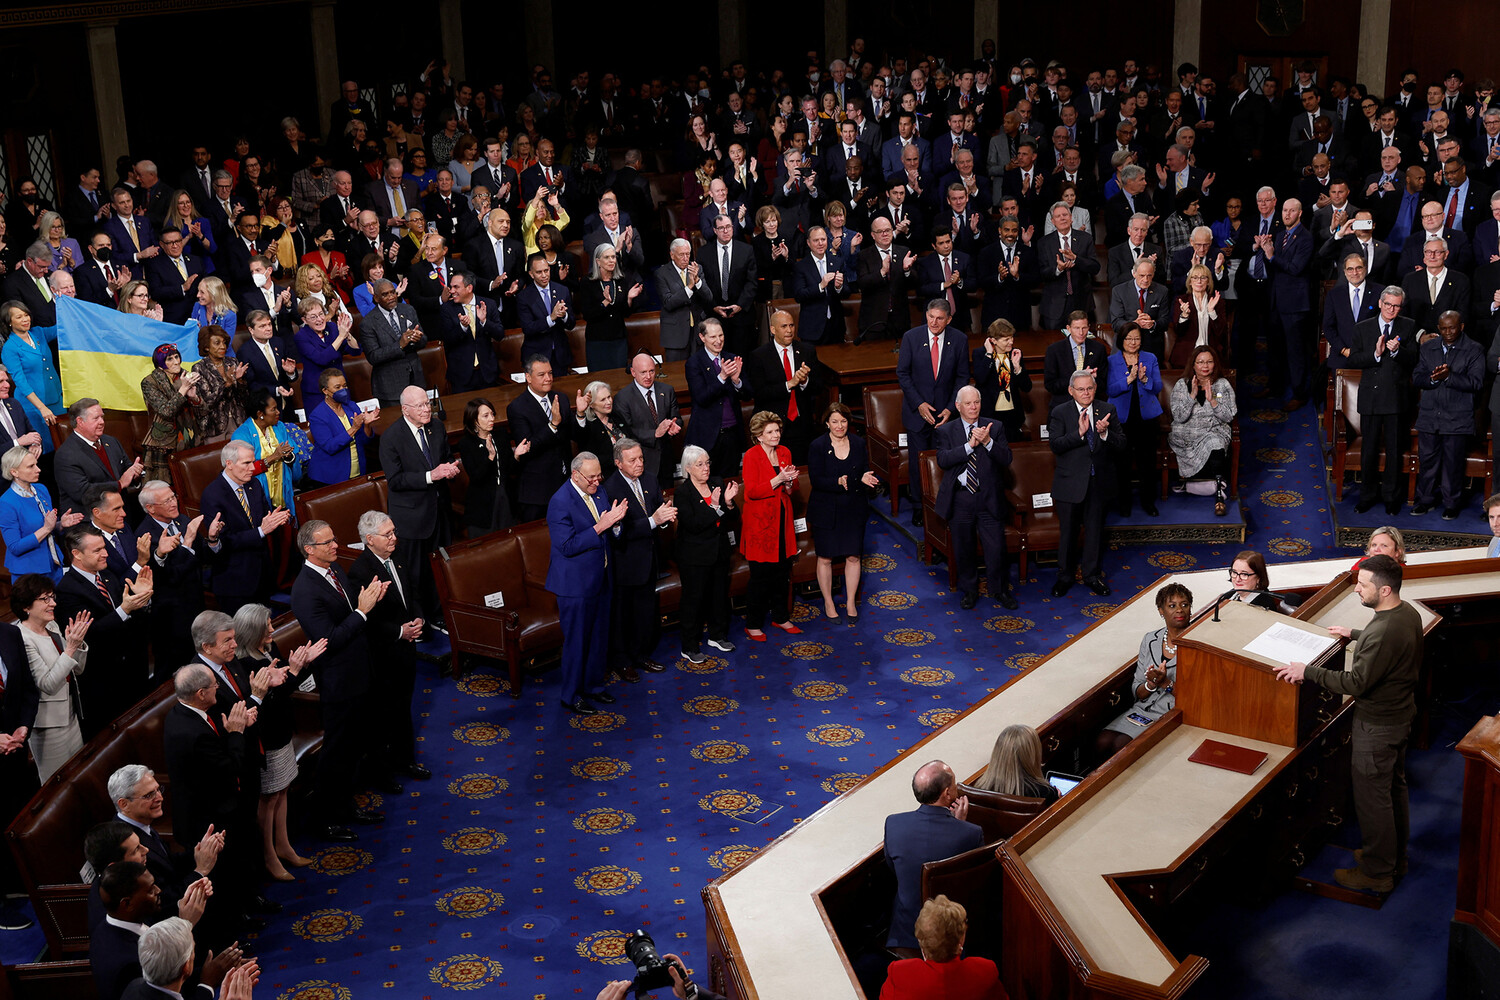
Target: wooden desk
[768, 936]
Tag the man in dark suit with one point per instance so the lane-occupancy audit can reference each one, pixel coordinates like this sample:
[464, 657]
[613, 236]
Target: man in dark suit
[932, 364]
[729, 273]
[1431, 226]
[883, 272]
[1450, 375]
[632, 189]
[90, 456]
[18, 776]
[205, 754]
[84, 206]
[1357, 236]
[1086, 437]
[173, 277]
[1198, 253]
[1146, 302]
[1422, 304]
[538, 415]
[427, 284]
[935, 830]
[1285, 259]
[392, 196]
[502, 180]
[1351, 301]
[443, 206]
[650, 415]
[498, 261]
[796, 193]
[1466, 201]
[546, 171]
[818, 283]
[394, 625]
[328, 606]
[471, 325]
[947, 274]
[615, 229]
[369, 237]
[1486, 241]
[131, 899]
[390, 336]
[241, 571]
[719, 203]
[1006, 273]
[1386, 348]
[139, 804]
[272, 368]
[130, 235]
[418, 464]
[547, 314]
[177, 562]
[973, 454]
[635, 620]
[1074, 353]
[1067, 263]
[97, 278]
[171, 941]
[787, 379]
[15, 429]
[717, 384]
[685, 298]
[579, 576]
[906, 135]
[847, 147]
[27, 281]
[242, 247]
[1137, 246]
[104, 508]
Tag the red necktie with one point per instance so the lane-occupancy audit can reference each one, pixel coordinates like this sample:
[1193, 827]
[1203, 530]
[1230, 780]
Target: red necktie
[211, 725]
[1142, 292]
[103, 590]
[952, 301]
[936, 356]
[786, 366]
[333, 579]
[1452, 208]
[103, 456]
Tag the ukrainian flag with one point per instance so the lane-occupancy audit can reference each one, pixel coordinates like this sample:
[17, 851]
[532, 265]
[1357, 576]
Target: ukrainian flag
[105, 353]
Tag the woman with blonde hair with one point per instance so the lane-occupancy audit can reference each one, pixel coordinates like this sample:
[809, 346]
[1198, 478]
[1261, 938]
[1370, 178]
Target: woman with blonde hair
[1201, 319]
[598, 427]
[66, 253]
[214, 306]
[1015, 766]
[197, 233]
[135, 300]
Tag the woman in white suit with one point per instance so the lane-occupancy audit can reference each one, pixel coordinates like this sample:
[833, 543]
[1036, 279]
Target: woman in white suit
[56, 657]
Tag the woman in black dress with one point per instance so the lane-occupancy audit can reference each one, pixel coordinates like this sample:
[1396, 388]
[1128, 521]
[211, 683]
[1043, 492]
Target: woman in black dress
[604, 302]
[482, 449]
[599, 430]
[839, 506]
[706, 517]
[775, 252]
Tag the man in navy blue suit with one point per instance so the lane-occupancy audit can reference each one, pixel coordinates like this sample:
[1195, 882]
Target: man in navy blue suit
[578, 575]
[973, 453]
[931, 366]
[717, 383]
[130, 235]
[241, 572]
[173, 278]
[547, 314]
[1286, 260]
[945, 274]
[819, 285]
[105, 508]
[635, 623]
[935, 830]
[1339, 316]
[471, 324]
[1085, 436]
[271, 369]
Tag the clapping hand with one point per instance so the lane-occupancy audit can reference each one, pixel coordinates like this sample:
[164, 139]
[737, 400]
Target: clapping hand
[731, 490]
[1101, 426]
[77, 628]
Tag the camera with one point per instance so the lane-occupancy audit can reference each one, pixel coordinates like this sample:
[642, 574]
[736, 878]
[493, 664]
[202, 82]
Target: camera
[651, 970]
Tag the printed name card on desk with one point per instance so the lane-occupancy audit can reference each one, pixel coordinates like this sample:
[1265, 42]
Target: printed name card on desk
[1044, 432]
[1041, 500]
[519, 378]
[301, 416]
[369, 405]
[495, 600]
[799, 525]
[900, 440]
[658, 358]
[581, 370]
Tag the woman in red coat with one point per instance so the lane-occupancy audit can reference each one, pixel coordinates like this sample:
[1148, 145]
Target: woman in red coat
[940, 972]
[767, 540]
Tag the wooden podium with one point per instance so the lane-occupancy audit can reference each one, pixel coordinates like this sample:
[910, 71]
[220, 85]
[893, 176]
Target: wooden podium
[1222, 687]
[1474, 935]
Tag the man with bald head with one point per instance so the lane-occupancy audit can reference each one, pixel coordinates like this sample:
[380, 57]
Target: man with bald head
[1285, 259]
[935, 830]
[418, 464]
[1431, 224]
[787, 379]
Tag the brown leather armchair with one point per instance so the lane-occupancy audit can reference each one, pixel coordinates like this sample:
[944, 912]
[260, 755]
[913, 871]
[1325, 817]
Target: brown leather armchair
[883, 432]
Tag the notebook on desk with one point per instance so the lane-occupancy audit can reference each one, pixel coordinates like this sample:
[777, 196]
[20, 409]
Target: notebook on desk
[1228, 756]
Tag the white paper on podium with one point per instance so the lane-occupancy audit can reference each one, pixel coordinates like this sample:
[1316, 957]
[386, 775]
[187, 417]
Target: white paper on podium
[1285, 644]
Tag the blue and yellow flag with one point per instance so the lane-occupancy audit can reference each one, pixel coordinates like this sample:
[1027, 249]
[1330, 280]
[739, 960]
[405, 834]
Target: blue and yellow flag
[106, 353]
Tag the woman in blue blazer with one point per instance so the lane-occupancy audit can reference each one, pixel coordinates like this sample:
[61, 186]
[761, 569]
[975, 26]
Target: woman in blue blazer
[338, 433]
[30, 527]
[1134, 385]
[275, 448]
[28, 358]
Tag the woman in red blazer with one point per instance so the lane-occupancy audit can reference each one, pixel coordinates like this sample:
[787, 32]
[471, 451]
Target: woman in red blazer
[941, 972]
[767, 541]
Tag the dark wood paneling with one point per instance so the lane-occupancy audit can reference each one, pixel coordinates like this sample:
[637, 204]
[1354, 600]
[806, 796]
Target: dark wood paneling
[1230, 30]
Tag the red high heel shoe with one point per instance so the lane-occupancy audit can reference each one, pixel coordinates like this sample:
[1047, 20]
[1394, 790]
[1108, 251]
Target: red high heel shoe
[788, 628]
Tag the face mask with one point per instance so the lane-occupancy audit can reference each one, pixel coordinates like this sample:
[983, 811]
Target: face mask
[812, 77]
[260, 278]
[102, 255]
[342, 396]
[315, 171]
[1015, 78]
[704, 93]
[29, 199]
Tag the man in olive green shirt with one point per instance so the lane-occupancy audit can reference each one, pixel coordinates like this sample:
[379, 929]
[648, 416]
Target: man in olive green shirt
[1382, 679]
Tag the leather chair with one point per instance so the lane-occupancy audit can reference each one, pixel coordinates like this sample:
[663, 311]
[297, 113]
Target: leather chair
[508, 352]
[1037, 406]
[465, 572]
[971, 879]
[192, 471]
[888, 458]
[1031, 470]
[342, 505]
[1000, 815]
[357, 374]
[643, 333]
[805, 562]
[1166, 458]
[48, 980]
[1347, 439]
[577, 346]
[434, 365]
[937, 534]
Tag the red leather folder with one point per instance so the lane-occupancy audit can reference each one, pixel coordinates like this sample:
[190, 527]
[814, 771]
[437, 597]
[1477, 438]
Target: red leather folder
[1228, 756]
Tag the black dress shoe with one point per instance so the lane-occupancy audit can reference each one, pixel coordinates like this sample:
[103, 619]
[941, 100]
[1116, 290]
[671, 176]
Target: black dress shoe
[650, 666]
[1393, 507]
[1007, 600]
[251, 925]
[579, 707]
[368, 816]
[969, 601]
[602, 697]
[390, 786]
[1418, 509]
[1150, 509]
[1097, 585]
[1363, 506]
[416, 771]
[1450, 513]
[342, 834]
[916, 516]
[628, 674]
[1061, 588]
[260, 904]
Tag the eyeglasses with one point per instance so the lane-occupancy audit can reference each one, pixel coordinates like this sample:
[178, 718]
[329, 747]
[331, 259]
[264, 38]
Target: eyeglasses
[1235, 574]
[327, 541]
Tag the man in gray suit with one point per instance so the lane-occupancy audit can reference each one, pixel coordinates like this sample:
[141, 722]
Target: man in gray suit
[390, 337]
[1145, 301]
[649, 411]
[685, 301]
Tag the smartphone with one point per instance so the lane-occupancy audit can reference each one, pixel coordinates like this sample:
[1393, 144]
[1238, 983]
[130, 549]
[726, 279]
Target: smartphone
[432, 227]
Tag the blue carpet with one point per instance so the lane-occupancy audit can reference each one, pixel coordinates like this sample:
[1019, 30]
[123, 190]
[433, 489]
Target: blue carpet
[544, 838]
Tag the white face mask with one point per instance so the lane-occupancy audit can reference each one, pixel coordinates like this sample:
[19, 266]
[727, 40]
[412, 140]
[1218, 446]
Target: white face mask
[260, 278]
[812, 77]
[1015, 78]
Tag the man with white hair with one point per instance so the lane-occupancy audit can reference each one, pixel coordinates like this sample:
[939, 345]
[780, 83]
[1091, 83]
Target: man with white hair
[61, 283]
[1086, 436]
[685, 300]
[973, 454]
[154, 195]
[418, 464]
[166, 953]
[243, 572]
[138, 800]
[1145, 301]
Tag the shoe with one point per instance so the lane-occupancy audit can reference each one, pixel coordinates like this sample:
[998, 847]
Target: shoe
[295, 861]
[970, 599]
[627, 674]
[602, 697]
[694, 657]
[1418, 509]
[1393, 507]
[1359, 855]
[252, 925]
[437, 627]
[416, 771]
[1150, 510]
[788, 628]
[833, 617]
[1450, 513]
[753, 637]
[390, 786]
[280, 874]
[261, 904]
[1353, 878]
[1060, 589]
[1364, 506]
[650, 666]
[1220, 508]
[1097, 585]
[1007, 600]
[850, 617]
[916, 516]
[368, 816]
[722, 645]
[578, 706]
[342, 834]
